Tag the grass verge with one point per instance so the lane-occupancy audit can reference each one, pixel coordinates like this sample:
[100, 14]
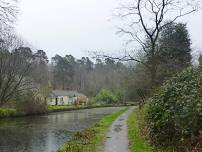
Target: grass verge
[137, 133]
[59, 108]
[90, 139]
[7, 112]
[12, 112]
[137, 143]
[79, 107]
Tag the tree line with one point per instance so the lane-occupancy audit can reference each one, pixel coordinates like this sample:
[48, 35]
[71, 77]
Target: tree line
[84, 75]
[165, 50]
[22, 68]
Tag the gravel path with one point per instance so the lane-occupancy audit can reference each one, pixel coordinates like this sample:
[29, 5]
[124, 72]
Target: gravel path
[117, 137]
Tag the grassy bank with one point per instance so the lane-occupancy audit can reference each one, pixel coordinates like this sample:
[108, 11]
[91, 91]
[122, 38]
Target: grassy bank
[137, 133]
[11, 112]
[60, 108]
[7, 112]
[137, 143]
[90, 139]
[72, 107]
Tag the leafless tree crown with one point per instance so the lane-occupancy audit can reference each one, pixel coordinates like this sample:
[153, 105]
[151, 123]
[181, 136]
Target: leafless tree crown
[148, 17]
[14, 68]
[8, 12]
[143, 21]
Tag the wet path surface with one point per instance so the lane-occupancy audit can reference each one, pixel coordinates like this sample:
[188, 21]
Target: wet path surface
[117, 137]
[46, 133]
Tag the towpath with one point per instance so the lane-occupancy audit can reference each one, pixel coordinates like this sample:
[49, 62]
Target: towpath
[117, 136]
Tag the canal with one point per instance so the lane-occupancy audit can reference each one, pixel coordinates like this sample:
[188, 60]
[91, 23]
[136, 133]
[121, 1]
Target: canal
[46, 133]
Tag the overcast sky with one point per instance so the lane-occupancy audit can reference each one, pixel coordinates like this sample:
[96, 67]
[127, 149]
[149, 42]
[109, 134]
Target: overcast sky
[77, 26]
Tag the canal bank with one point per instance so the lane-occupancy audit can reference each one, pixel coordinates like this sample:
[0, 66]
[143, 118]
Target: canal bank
[9, 112]
[48, 132]
[91, 139]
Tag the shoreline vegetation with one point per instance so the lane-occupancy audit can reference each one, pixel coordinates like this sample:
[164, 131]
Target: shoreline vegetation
[90, 139]
[136, 142]
[11, 112]
[137, 133]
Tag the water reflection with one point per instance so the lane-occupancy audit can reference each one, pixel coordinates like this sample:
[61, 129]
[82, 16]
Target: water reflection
[46, 133]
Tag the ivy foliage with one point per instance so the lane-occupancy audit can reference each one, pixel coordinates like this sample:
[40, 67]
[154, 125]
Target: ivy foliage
[174, 115]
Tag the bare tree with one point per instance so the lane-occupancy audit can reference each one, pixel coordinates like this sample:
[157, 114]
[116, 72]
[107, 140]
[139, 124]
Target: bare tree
[14, 71]
[145, 20]
[8, 12]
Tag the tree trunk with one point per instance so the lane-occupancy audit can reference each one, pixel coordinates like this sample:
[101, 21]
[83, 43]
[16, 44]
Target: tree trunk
[153, 65]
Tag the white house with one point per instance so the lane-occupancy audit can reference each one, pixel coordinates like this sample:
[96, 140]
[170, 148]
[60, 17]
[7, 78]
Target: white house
[63, 97]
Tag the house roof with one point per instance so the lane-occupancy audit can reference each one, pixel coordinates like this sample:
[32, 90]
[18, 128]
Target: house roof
[65, 93]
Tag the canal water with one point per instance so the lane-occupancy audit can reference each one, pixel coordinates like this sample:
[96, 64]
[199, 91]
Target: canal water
[46, 133]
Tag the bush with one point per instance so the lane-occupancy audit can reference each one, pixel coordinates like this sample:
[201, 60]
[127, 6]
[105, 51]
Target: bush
[92, 101]
[29, 104]
[174, 116]
[105, 96]
[119, 96]
[7, 112]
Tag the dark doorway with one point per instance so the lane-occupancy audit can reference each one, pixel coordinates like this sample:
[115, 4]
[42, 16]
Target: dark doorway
[56, 99]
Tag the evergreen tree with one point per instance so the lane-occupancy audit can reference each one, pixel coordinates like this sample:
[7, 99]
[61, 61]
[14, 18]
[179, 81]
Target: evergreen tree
[174, 49]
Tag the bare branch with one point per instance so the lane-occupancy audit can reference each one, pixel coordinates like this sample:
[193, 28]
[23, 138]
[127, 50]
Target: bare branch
[124, 58]
[149, 17]
[8, 12]
[14, 69]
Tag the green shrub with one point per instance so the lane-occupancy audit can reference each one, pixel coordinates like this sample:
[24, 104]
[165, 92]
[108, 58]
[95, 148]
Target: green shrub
[92, 101]
[119, 96]
[4, 112]
[105, 96]
[174, 116]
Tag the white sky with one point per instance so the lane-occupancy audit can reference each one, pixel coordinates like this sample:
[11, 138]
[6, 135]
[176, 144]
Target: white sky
[77, 26]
